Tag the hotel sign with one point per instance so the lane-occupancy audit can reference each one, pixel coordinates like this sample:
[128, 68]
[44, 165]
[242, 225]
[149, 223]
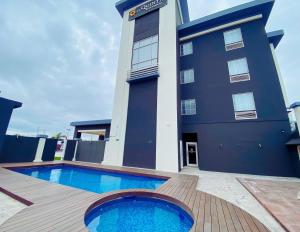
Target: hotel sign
[147, 8]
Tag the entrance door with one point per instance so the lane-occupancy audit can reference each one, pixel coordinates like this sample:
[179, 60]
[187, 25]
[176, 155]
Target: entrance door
[191, 154]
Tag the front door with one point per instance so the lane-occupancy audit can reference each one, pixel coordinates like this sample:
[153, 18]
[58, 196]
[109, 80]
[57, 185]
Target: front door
[191, 154]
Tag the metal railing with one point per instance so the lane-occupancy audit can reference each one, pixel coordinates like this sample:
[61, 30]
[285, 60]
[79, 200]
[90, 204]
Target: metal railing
[145, 73]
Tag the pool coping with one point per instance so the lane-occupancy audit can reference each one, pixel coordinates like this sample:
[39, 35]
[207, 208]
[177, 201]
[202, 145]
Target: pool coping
[55, 207]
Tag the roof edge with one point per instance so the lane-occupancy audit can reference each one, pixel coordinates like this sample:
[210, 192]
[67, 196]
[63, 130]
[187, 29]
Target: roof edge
[230, 14]
[275, 37]
[91, 122]
[124, 5]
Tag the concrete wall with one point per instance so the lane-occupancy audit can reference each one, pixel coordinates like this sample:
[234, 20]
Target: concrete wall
[6, 109]
[18, 149]
[224, 144]
[77, 135]
[90, 151]
[140, 138]
[70, 150]
[27, 149]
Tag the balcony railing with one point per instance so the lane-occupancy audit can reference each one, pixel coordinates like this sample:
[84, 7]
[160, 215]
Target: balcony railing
[143, 74]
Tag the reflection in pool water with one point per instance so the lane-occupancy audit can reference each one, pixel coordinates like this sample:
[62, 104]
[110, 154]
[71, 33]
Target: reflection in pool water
[89, 179]
[138, 214]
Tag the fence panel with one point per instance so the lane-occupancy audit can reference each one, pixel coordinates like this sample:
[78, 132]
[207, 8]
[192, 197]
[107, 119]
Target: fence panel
[90, 151]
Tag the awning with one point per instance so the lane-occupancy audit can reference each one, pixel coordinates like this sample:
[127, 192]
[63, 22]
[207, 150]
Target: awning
[293, 142]
[93, 132]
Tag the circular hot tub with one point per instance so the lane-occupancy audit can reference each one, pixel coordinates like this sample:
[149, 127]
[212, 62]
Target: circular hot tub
[138, 213]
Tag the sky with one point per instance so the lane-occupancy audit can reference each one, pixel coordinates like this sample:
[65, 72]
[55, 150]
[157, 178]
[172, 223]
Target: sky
[59, 57]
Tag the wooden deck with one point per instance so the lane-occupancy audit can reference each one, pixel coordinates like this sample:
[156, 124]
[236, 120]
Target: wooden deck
[54, 207]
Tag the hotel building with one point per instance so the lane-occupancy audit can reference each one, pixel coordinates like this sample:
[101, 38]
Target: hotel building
[206, 93]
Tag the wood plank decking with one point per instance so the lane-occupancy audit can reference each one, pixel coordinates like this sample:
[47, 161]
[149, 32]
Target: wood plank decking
[54, 207]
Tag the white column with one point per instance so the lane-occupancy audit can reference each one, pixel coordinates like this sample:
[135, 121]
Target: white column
[282, 85]
[39, 150]
[114, 150]
[75, 150]
[167, 123]
[64, 149]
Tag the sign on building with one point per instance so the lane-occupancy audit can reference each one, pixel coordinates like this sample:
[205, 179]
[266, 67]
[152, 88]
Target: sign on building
[147, 8]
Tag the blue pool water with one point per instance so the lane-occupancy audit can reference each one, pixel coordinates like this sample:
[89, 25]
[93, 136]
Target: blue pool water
[138, 214]
[89, 179]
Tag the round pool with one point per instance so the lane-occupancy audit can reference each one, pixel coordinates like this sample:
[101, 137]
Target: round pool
[143, 214]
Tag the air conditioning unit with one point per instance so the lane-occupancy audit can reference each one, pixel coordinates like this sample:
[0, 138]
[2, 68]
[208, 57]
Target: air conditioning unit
[234, 46]
[240, 77]
[245, 115]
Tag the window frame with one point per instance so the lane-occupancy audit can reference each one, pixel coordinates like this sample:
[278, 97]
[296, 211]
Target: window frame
[238, 44]
[181, 48]
[236, 94]
[181, 74]
[143, 46]
[194, 110]
[244, 73]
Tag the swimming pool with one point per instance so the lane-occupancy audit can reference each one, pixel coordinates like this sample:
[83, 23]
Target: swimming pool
[92, 180]
[136, 213]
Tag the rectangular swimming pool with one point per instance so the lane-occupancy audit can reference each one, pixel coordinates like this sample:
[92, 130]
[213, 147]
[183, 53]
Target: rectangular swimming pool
[92, 180]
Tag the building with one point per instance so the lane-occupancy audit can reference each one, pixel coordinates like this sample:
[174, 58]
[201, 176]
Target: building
[206, 93]
[6, 108]
[99, 128]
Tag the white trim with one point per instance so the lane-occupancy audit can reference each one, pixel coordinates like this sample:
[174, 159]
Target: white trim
[75, 150]
[187, 154]
[64, 149]
[114, 149]
[181, 153]
[281, 81]
[39, 150]
[180, 11]
[167, 143]
[246, 20]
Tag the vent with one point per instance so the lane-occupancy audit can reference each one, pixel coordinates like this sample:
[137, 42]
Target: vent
[145, 73]
[244, 115]
[234, 46]
[240, 77]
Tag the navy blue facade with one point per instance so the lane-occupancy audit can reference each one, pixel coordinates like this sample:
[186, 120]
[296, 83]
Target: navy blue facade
[18, 149]
[6, 108]
[140, 140]
[225, 144]
[49, 150]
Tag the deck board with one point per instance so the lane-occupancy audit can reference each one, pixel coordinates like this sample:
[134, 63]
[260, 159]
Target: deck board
[61, 208]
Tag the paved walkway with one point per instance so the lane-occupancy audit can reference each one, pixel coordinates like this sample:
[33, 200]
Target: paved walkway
[53, 207]
[227, 187]
[8, 207]
[279, 198]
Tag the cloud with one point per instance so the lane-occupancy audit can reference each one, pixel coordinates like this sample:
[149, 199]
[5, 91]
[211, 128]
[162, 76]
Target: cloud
[60, 57]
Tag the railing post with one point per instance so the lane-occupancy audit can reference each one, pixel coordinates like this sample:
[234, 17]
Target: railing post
[39, 150]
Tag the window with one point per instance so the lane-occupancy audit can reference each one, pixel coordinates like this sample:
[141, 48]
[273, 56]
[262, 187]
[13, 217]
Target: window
[233, 39]
[145, 53]
[187, 76]
[238, 67]
[243, 102]
[188, 107]
[244, 106]
[186, 49]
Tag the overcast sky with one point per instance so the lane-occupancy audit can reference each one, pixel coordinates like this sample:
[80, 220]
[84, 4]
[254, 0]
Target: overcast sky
[59, 57]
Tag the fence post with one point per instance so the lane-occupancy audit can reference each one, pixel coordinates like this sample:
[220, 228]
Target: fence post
[64, 149]
[75, 150]
[39, 150]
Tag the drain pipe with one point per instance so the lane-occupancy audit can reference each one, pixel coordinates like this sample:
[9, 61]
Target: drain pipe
[296, 107]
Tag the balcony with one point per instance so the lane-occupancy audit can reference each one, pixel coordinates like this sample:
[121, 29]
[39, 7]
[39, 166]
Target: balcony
[144, 74]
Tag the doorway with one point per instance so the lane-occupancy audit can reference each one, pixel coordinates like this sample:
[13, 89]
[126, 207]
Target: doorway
[192, 154]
